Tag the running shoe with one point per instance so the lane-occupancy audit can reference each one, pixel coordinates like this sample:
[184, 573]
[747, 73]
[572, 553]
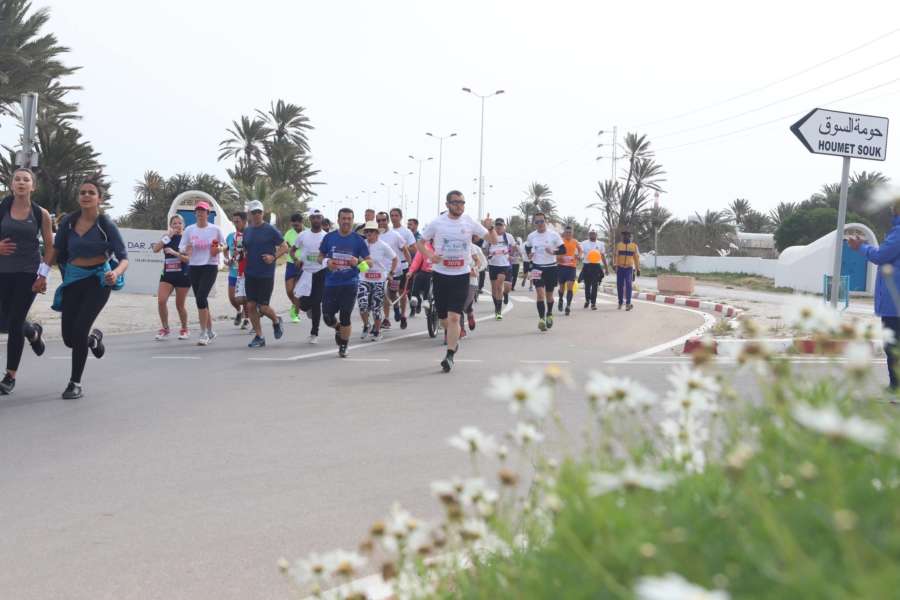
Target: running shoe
[257, 342]
[470, 320]
[295, 316]
[365, 332]
[36, 339]
[312, 339]
[342, 350]
[568, 310]
[237, 319]
[447, 363]
[245, 324]
[413, 306]
[73, 391]
[184, 334]
[95, 343]
[278, 328]
[211, 335]
[403, 323]
[376, 335]
[593, 307]
[204, 339]
[559, 305]
[542, 324]
[386, 324]
[7, 384]
[620, 307]
[549, 321]
[162, 334]
[498, 316]
[586, 304]
[629, 307]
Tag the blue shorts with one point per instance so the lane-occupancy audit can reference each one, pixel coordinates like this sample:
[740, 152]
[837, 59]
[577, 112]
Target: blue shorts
[566, 274]
[291, 271]
[232, 281]
[495, 272]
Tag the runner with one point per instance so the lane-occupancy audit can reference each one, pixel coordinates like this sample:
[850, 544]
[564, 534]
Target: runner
[237, 261]
[515, 257]
[499, 267]
[409, 244]
[451, 235]
[592, 243]
[370, 293]
[398, 243]
[174, 277]
[525, 250]
[368, 215]
[419, 280]
[627, 262]
[292, 269]
[202, 242]
[591, 275]
[22, 272]
[545, 245]
[413, 225]
[567, 262]
[342, 253]
[476, 274]
[326, 225]
[263, 245]
[311, 284]
[93, 260]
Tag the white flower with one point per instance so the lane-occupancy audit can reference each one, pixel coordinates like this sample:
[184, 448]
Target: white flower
[629, 478]
[674, 587]
[692, 391]
[400, 522]
[810, 315]
[526, 434]
[470, 439]
[528, 392]
[341, 563]
[830, 422]
[617, 392]
[304, 571]
[473, 529]
[858, 355]
[888, 336]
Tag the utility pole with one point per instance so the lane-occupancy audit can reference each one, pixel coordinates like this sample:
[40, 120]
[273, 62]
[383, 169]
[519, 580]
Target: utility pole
[440, 139]
[481, 149]
[27, 156]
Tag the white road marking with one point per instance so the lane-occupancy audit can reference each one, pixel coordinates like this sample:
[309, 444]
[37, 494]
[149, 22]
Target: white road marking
[368, 359]
[176, 357]
[59, 357]
[467, 360]
[708, 322]
[545, 362]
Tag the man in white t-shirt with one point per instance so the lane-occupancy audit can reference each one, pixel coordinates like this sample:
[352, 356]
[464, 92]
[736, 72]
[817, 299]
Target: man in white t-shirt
[500, 266]
[592, 243]
[311, 283]
[370, 293]
[451, 234]
[545, 246]
[398, 244]
[409, 241]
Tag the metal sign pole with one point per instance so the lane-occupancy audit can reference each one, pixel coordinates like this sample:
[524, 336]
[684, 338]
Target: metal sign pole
[27, 156]
[839, 235]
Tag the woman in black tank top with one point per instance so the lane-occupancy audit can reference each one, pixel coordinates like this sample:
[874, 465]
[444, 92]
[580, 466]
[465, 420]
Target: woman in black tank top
[22, 272]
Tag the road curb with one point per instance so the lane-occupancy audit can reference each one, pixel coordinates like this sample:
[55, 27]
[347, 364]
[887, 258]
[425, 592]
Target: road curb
[725, 310]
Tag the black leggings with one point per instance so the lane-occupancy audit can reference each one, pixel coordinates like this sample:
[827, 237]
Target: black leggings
[203, 278]
[515, 274]
[15, 301]
[81, 303]
[313, 302]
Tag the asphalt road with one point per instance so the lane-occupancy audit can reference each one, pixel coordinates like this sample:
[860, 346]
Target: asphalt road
[185, 472]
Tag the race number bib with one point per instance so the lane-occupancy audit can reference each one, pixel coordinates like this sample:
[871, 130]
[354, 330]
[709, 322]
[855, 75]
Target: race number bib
[173, 265]
[454, 253]
[536, 274]
[499, 251]
[373, 275]
[341, 260]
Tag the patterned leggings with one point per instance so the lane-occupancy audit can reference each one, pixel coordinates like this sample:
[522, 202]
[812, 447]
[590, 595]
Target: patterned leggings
[370, 297]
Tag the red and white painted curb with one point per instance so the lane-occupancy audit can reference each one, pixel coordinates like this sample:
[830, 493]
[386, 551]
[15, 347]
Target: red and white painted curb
[724, 309]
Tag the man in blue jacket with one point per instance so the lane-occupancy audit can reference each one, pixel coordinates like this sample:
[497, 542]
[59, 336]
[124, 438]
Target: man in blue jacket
[887, 286]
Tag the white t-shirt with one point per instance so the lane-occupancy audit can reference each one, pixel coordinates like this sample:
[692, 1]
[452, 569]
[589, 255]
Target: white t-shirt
[409, 239]
[588, 245]
[382, 255]
[500, 254]
[308, 244]
[477, 252]
[543, 247]
[201, 239]
[395, 240]
[451, 239]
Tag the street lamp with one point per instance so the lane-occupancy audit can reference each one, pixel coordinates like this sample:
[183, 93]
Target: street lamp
[388, 188]
[614, 156]
[481, 151]
[440, 139]
[402, 177]
[419, 184]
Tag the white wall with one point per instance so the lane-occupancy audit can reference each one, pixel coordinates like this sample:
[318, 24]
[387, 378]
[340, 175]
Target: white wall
[715, 264]
[803, 267]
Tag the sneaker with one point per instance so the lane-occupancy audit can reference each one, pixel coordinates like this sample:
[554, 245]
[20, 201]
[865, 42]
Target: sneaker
[204, 339]
[245, 324]
[620, 307]
[593, 307]
[447, 363]
[365, 332]
[568, 310]
[549, 321]
[413, 306]
[295, 316]
[342, 350]
[73, 391]
[559, 306]
[386, 324]
[629, 307]
[312, 339]
[278, 329]
[258, 342]
[470, 320]
[237, 319]
[505, 297]
[403, 323]
[95, 343]
[586, 304]
[498, 316]
[184, 334]
[211, 335]
[542, 324]
[7, 384]
[36, 339]
[376, 335]
[162, 334]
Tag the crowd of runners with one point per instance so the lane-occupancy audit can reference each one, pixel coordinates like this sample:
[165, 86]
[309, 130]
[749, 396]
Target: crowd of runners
[381, 267]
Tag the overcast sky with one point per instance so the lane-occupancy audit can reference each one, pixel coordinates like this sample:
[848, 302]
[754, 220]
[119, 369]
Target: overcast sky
[163, 80]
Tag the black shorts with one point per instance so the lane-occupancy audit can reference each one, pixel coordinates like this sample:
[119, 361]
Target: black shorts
[291, 271]
[178, 279]
[566, 274]
[450, 293]
[339, 299]
[526, 266]
[259, 289]
[548, 278]
[495, 272]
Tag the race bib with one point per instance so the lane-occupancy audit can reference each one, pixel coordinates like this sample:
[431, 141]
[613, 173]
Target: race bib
[373, 275]
[341, 260]
[311, 258]
[454, 262]
[173, 265]
[536, 274]
[499, 251]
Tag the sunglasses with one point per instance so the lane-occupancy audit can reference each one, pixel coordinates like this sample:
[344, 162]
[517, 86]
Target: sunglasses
[539, 222]
[456, 201]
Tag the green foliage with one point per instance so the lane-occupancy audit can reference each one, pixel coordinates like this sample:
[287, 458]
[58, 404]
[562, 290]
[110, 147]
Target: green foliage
[154, 195]
[282, 201]
[807, 225]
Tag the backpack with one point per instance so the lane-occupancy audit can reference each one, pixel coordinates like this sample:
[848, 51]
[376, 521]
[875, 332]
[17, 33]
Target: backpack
[62, 255]
[36, 212]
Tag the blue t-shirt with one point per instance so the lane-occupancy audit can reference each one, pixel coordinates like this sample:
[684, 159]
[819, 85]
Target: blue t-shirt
[259, 240]
[338, 249]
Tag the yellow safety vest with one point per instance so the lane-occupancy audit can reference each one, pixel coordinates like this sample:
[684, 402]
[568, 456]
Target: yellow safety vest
[626, 254]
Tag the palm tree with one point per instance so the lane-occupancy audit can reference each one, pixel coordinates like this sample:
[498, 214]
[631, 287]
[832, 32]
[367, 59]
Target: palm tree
[650, 222]
[288, 124]
[714, 229]
[29, 61]
[247, 139]
[782, 212]
[739, 208]
[756, 222]
[281, 201]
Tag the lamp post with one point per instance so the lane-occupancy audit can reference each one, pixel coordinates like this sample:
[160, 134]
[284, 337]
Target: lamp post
[419, 184]
[388, 188]
[402, 177]
[613, 153]
[440, 139]
[481, 150]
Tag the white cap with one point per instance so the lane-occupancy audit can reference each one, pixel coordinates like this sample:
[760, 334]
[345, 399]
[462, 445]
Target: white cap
[254, 205]
[315, 211]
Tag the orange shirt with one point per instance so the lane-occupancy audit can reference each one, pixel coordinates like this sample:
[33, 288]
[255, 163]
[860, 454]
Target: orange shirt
[568, 259]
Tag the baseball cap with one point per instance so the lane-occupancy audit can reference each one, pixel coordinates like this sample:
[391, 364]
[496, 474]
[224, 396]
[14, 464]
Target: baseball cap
[315, 212]
[255, 205]
[499, 221]
[202, 205]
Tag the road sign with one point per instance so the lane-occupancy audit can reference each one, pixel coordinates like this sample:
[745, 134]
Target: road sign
[843, 134]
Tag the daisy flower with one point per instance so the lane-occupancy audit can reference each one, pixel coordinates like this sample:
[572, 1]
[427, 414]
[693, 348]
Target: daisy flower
[674, 587]
[526, 434]
[472, 440]
[527, 393]
[830, 422]
[617, 392]
[629, 478]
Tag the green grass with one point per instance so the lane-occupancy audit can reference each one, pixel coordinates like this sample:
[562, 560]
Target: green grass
[742, 280]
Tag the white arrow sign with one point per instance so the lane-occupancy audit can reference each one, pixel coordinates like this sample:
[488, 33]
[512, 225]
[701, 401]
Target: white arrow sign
[843, 134]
